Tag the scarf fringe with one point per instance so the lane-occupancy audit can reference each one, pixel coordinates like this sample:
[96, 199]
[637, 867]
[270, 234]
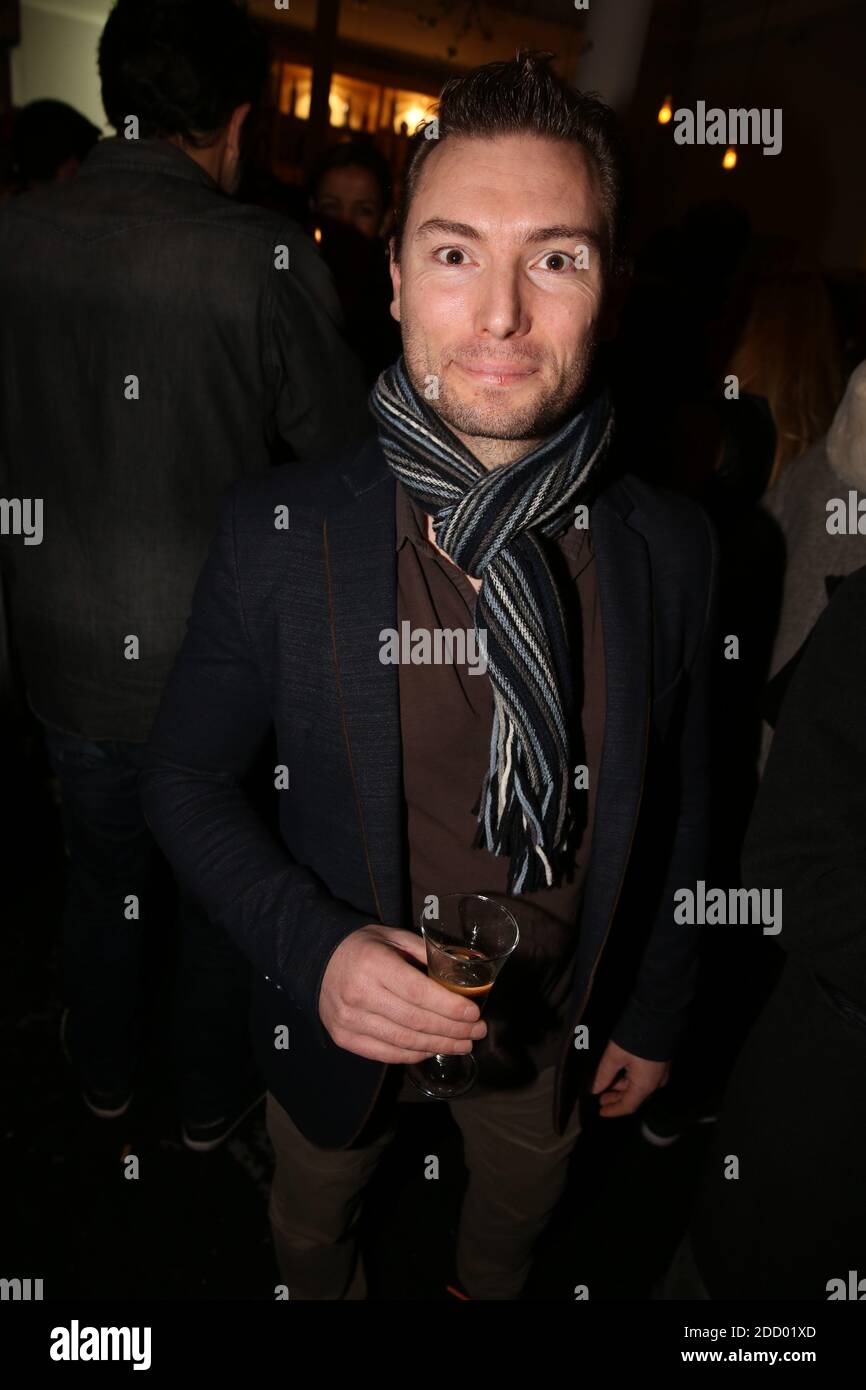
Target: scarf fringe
[511, 836]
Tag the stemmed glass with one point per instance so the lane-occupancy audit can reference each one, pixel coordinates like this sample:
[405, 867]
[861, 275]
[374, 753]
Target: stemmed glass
[468, 943]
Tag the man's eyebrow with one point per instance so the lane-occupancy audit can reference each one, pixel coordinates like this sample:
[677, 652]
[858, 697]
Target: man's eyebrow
[442, 224]
[560, 231]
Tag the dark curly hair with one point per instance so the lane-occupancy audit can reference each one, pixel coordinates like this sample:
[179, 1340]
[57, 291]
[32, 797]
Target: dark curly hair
[180, 66]
[46, 133]
[521, 96]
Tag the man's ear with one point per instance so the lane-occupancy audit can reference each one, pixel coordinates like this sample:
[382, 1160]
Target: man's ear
[394, 267]
[236, 125]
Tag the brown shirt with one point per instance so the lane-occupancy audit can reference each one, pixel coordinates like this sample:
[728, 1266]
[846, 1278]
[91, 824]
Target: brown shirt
[446, 714]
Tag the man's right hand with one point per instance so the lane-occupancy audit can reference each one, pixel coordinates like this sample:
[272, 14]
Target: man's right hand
[375, 1003]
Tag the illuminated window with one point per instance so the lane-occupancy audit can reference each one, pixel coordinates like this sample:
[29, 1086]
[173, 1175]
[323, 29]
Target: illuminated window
[354, 104]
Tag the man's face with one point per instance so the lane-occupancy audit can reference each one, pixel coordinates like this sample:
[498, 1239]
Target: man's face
[500, 283]
[352, 195]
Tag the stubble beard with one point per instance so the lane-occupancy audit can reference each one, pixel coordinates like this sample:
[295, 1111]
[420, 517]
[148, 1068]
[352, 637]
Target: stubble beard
[491, 418]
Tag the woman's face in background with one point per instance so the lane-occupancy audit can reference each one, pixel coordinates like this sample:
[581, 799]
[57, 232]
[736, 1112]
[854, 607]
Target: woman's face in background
[352, 195]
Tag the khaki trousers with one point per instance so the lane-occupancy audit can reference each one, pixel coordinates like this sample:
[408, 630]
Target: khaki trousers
[517, 1171]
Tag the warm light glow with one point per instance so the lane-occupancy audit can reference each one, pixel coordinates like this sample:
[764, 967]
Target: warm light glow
[413, 118]
[336, 107]
[665, 112]
[411, 108]
[317, 234]
[304, 91]
[729, 160]
[353, 103]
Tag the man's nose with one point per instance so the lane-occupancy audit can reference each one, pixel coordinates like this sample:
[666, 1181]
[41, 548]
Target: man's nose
[501, 310]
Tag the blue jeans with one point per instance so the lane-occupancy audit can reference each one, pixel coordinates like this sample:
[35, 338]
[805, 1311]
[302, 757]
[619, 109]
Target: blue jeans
[112, 861]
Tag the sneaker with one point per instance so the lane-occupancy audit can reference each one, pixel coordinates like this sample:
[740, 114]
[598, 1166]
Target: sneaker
[203, 1136]
[105, 1103]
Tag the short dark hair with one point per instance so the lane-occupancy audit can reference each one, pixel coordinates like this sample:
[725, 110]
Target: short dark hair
[353, 154]
[525, 96]
[180, 66]
[47, 133]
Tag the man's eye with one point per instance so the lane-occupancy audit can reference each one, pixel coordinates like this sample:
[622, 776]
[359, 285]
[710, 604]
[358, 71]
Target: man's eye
[446, 255]
[557, 261]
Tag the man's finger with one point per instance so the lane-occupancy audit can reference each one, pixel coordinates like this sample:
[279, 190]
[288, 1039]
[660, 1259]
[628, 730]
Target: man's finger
[376, 1051]
[612, 1095]
[409, 941]
[618, 1109]
[616, 1105]
[607, 1070]
[413, 987]
[373, 1025]
[398, 1011]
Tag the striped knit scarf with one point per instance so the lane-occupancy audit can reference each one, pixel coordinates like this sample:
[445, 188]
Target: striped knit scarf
[489, 524]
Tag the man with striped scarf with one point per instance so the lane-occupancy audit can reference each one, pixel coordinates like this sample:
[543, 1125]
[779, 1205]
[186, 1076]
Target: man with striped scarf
[567, 779]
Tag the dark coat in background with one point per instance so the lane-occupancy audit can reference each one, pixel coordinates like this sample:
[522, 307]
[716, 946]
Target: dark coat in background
[285, 632]
[142, 268]
[795, 1111]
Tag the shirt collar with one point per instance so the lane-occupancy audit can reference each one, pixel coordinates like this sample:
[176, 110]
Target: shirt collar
[159, 156]
[410, 519]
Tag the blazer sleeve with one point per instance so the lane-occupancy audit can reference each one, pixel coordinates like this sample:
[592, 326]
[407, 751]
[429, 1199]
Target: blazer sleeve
[657, 1011]
[214, 716]
[807, 835]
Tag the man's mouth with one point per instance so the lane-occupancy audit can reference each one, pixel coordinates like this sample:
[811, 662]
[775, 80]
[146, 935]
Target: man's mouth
[496, 373]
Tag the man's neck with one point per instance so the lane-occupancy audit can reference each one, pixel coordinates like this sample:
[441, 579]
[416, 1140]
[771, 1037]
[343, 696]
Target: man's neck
[208, 158]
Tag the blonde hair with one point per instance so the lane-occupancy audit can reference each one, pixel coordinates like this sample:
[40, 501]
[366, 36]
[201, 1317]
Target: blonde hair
[788, 351]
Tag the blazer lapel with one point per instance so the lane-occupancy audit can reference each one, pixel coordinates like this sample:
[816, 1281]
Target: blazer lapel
[625, 597]
[361, 571]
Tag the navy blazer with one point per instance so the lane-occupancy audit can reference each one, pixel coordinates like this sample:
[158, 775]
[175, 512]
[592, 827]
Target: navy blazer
[284, 634]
